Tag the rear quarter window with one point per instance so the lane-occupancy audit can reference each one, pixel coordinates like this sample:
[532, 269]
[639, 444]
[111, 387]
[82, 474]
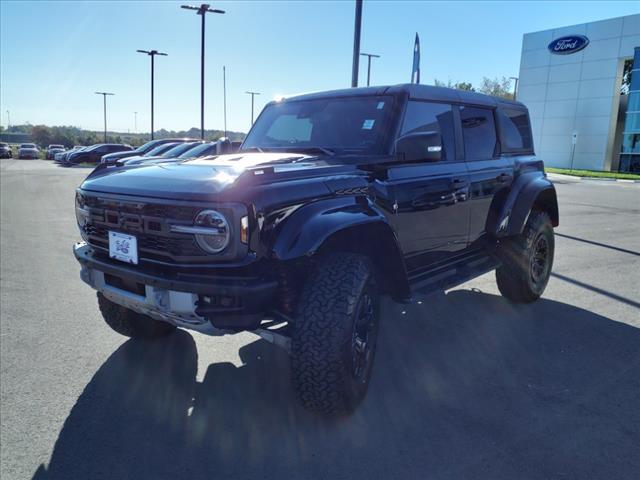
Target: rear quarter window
[515, 131]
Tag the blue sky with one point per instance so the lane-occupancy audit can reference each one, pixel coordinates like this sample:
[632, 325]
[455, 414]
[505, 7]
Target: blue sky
[54, 55]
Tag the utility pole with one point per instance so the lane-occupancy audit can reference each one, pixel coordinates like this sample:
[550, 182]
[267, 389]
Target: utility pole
[152, 54]
[356, 44]
[104, 98]
[202, 10]
[135, 122]
[515, 86]
[253, 94]
[369, 55]
[224, 93]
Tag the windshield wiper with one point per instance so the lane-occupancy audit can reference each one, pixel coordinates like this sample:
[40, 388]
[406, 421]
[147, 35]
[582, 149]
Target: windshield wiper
[253, 148]
[324, 150]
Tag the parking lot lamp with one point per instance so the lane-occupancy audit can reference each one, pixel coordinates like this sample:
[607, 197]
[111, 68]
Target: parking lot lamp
[152, 54]
[369, 55]
[202, 10]
[356, 44]
[104, 98]
[515, 86]
[253, 94]
[8, 119]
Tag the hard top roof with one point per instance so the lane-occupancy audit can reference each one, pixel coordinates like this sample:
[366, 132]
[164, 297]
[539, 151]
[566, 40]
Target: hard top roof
[414, 91]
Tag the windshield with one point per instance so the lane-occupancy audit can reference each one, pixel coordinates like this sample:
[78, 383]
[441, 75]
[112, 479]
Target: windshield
[160, 149]
[357, 124]
[27, 145]
[200, 151]
[180, 149]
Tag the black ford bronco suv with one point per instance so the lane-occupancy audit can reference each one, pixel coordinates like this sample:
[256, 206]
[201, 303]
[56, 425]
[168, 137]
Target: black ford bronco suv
[333, 200]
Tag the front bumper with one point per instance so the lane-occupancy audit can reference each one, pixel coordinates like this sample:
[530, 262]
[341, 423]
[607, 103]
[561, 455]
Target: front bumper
[197, 302]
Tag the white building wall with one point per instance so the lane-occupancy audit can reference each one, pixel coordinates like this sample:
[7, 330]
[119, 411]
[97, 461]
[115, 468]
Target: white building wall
[577, 92]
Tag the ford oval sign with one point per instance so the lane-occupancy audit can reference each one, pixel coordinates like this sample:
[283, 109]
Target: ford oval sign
[569, 44]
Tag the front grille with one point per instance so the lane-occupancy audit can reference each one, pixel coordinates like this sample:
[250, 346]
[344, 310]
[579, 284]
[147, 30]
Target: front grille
[150, 220]
[151, 225]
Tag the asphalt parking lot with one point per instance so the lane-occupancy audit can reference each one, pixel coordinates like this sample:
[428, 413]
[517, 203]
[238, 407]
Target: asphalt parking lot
[465, 385]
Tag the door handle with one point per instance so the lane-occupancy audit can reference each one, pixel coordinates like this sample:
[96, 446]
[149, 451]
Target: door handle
[504, 178]
[457, 182]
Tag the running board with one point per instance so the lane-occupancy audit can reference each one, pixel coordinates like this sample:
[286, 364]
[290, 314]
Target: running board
[444, 277]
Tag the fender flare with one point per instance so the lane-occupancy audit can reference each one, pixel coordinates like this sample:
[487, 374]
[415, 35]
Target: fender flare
[528, 190]
[343, 223]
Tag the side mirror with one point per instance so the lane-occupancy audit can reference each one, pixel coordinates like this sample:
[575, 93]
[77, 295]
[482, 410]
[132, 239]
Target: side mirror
[425, 146]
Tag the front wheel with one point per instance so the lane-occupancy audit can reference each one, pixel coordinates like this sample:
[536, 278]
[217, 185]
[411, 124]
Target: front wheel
[129, 323]
[334, 334]
[527, 260]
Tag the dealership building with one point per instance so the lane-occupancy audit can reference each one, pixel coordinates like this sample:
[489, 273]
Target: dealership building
[583, 94]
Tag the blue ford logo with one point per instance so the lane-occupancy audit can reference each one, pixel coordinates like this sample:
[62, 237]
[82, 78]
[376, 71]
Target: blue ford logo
[568, 44]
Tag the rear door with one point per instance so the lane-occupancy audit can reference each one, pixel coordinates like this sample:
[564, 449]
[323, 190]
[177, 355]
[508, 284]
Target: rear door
[427, 201]
[490, 173]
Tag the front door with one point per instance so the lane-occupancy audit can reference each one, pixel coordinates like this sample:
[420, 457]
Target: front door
[427, 202]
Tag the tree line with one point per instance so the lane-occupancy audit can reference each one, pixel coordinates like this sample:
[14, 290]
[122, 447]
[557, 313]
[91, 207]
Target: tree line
[497, 87]
[69, 136]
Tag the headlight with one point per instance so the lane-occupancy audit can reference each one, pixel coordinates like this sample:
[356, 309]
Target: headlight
[82, 215]
[211, 230]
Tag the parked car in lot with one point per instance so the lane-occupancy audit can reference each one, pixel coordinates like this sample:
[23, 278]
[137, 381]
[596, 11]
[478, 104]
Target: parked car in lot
[52, 150]
[197, 149]
[94, 153]
[333, 200]
[154, 152]
[5, 150]
[28, 150]
[62, 156]
[172, 153]
[143, 150]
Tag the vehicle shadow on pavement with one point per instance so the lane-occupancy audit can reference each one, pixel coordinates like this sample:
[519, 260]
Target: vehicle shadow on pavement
[465, 385]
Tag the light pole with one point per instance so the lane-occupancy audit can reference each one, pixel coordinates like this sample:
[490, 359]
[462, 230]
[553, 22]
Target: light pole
[202, 10]
[253, 94]
[356, 44]
[8, 119]
[369, 55]
[104, 98]
[152, 54]
[135, 122]
[515, 86]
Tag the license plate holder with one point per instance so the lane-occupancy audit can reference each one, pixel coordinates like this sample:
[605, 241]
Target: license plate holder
[123, 247]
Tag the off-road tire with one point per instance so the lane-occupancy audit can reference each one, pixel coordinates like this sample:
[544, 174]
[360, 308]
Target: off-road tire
[325, 350]
[131, 324]
[517, 277]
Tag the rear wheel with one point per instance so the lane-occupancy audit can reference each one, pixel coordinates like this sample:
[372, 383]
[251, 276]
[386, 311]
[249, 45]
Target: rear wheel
[527, 260]
[334, 334]
[129, 323]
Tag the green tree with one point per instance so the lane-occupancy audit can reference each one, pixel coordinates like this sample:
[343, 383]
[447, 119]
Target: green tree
[497, 87]
[457, 85]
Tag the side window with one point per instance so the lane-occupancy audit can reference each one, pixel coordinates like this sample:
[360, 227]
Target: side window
[432, 117]
[478, 132]
[515, 131]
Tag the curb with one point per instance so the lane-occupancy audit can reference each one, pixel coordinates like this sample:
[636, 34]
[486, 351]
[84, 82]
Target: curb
[573, 178]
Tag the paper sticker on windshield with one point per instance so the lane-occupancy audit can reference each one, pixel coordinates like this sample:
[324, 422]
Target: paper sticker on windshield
[368, 124]
[380, 105]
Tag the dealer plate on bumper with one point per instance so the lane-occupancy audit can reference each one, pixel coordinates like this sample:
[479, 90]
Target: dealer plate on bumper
[123, 247]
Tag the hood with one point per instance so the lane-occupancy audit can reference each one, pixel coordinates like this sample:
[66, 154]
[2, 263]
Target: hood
[198, 178]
